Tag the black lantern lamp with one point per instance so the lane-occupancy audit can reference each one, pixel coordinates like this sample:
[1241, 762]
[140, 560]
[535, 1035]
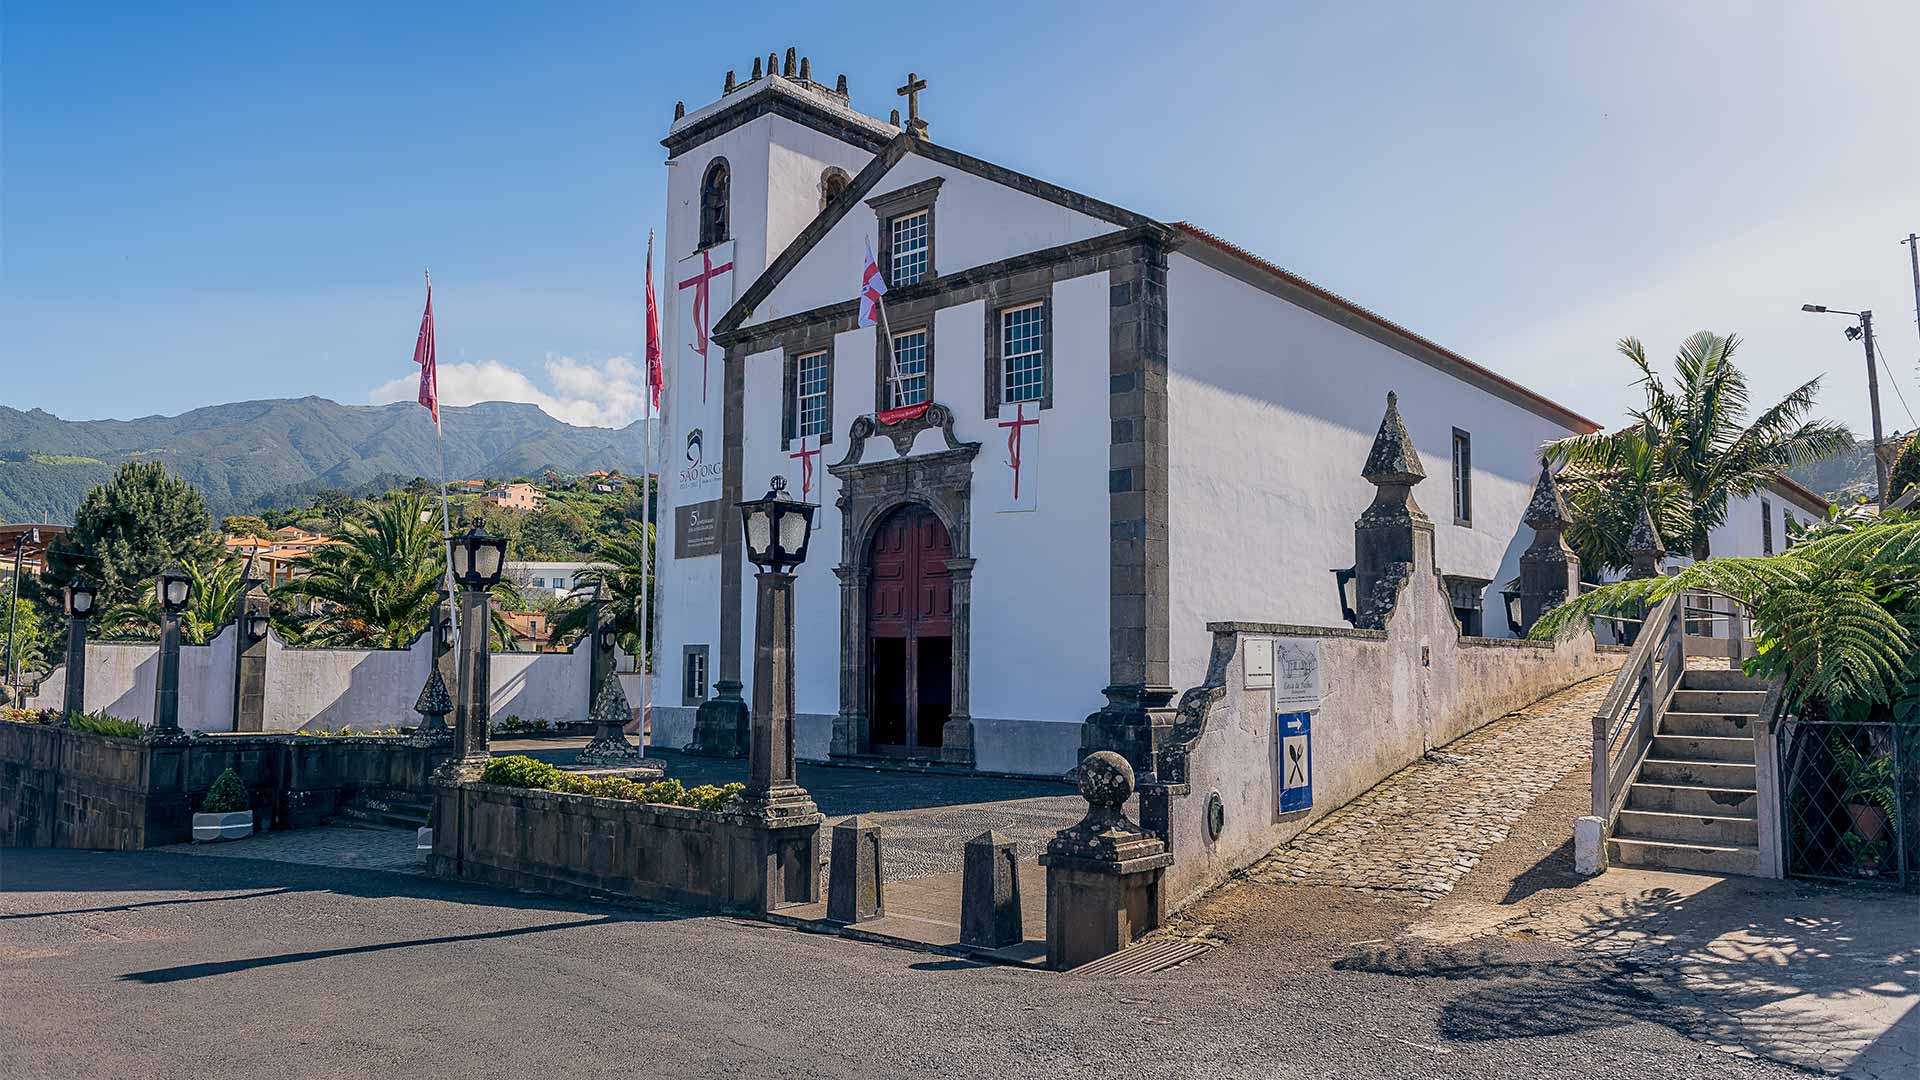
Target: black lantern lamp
[608, 636]
[777, 528]
[479, 557]
[1510, 596]
[1345, 582]
[173, 588]
[257, 624]
[443, 628]
[80, 597]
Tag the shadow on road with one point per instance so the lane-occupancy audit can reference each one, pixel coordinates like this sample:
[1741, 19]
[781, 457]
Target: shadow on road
[185, 972]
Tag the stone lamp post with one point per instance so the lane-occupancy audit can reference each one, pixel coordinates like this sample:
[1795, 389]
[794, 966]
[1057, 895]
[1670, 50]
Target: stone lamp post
[478, 560]
[777, 531]
[79, 602]
[173, 589]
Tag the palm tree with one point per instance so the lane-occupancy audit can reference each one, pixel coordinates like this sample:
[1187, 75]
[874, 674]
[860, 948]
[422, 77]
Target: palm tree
[625, 574]
[213, 596]
[1688, 452]
[1837, 614]
[378, 585]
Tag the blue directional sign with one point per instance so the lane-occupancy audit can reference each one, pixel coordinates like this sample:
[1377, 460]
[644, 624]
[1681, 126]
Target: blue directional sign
[1293, 742]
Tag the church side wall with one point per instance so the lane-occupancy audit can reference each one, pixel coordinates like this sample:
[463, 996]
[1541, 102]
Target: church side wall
[1271, 410]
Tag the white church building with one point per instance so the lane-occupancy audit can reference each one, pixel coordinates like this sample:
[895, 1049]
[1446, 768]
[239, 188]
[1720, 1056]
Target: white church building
[1096, 433]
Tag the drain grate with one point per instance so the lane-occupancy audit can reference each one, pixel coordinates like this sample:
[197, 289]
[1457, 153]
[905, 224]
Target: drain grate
[1144, 959]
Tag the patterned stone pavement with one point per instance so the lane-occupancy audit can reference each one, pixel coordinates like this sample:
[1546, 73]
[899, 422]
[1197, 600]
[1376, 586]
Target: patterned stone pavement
[1421, 830]
[327, 845]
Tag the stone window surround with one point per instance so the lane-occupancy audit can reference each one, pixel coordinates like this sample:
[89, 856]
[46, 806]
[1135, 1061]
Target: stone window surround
[689, 693]
[1461, 471]
[725, 231]
[904, 319]
[833, 180]
[792, 349]
[895, 204]
[998, 304]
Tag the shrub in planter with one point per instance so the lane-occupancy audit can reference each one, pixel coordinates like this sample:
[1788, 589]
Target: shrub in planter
[223, 813]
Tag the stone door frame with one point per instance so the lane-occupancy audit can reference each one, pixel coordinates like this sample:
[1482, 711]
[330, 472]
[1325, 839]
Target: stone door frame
[870, 491]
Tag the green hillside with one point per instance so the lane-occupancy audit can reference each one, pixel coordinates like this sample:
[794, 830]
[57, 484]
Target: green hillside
[250, 455]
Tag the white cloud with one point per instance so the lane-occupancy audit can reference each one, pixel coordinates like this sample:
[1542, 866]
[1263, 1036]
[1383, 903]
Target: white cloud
[611, 393]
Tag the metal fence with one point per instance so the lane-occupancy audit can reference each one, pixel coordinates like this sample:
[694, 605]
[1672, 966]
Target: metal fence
[1849, 797]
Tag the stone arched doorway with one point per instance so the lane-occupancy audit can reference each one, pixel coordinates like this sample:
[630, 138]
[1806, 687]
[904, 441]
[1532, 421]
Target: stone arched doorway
[906, 585]
[909, 633]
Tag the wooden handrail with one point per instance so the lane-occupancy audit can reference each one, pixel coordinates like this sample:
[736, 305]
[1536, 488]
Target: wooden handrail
[1634, 704]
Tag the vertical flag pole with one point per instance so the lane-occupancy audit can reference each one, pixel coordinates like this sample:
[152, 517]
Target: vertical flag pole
[430, 390]
[656, 379]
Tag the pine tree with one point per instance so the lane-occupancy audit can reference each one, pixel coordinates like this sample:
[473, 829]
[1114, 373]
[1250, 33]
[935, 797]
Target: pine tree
[129, 529]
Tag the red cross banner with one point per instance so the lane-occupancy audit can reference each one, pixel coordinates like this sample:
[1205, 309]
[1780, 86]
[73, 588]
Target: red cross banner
[807, 455]
[702, 291]
[1019, 487]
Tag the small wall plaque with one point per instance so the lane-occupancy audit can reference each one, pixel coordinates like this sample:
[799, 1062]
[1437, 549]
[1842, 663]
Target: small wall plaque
[696, 530]
[1259, 663]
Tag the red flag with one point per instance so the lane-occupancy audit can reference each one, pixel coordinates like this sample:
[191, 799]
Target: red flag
[656, 375]
[423, 355]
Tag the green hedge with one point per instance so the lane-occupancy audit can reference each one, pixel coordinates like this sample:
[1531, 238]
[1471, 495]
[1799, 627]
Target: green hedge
[525, 772]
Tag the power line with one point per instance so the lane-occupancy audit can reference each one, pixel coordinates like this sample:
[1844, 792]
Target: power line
[1881, 359]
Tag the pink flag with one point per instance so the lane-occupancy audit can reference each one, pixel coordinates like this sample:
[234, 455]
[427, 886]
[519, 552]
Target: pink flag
[656, 374]
[423, 355]
[872, 288]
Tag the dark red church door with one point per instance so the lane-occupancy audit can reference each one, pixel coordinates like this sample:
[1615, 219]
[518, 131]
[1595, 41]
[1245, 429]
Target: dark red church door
[910, 633]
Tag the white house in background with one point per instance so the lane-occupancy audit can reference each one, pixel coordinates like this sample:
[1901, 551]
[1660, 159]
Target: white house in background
[554, 578]
[1092, 434]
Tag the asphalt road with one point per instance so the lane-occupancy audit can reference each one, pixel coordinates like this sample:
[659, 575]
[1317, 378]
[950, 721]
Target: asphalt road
[158, 965]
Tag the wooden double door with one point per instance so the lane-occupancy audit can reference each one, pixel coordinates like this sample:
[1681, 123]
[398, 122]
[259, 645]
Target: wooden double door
[909, 634]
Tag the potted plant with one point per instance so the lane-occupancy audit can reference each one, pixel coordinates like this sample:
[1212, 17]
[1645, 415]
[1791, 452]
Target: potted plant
[1866, 788]
[224, 813]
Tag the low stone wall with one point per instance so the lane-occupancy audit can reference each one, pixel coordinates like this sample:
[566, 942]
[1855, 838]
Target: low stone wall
[576, 845]
[1388, 696]
[74, 789]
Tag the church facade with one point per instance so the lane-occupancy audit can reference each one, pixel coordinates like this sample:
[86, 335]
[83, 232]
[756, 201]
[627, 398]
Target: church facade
[1080, 435]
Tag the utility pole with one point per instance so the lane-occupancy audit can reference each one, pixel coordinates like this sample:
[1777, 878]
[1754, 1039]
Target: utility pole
[1873, 399]
[1913, 256]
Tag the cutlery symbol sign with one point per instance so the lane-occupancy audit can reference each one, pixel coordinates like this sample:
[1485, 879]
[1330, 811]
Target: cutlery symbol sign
[1296, 776]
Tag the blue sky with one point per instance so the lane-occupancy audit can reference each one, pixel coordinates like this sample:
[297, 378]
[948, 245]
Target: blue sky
[236, 202]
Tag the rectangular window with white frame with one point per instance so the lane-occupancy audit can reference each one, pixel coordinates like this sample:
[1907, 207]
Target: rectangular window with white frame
[908, 381]
[909, 247]
[1462, 478]
[812, 414]
[1023, 353]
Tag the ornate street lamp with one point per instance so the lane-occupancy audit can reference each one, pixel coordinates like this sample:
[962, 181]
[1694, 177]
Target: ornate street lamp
[478, 559]
[1345, 583]
[173, 589]
[1516, 619]
[777, 530]
[257, 625]
[79, 603]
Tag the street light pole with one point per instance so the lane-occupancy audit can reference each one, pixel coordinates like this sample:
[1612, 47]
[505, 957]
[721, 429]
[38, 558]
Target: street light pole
[13, 613]
[1865, 333]
[1913, 256]
[1873, 399]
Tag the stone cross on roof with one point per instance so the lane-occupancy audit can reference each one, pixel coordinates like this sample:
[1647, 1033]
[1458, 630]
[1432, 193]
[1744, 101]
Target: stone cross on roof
[911, 92]
[1393, 459]
[1546, 510]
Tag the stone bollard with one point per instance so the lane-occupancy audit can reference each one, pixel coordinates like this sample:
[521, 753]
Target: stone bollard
[854, 888]
[1103, 875]
[990, 893]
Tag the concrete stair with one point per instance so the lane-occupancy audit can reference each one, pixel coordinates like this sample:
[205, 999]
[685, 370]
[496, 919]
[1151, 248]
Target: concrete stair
[385, 811]
[1692, 806]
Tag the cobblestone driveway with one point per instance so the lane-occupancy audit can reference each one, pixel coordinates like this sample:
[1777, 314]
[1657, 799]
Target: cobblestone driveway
[1421, 830]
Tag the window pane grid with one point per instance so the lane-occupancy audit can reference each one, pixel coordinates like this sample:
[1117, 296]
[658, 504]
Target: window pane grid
[1023, 354]
[810, 385]
[907, 248]
[910, 365]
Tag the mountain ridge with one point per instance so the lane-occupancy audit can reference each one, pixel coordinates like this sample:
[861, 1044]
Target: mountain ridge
[245, 455]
